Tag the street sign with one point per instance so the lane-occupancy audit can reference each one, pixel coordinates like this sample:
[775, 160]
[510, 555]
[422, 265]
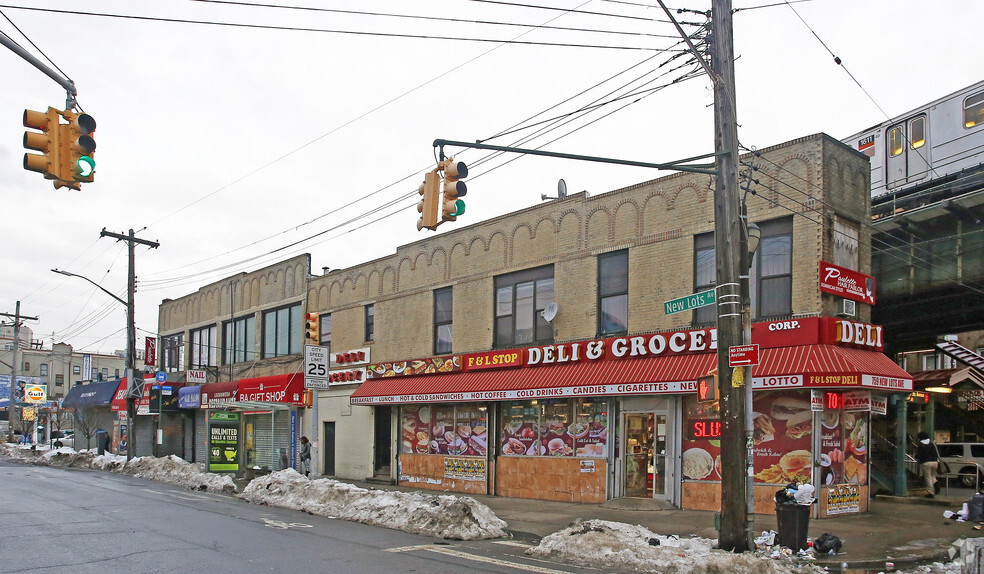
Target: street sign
[316, 361]
[743, 355]
[160, 377]
[689, 302]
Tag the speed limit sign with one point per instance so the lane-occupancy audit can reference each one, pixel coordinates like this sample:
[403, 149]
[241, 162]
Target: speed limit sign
[315, 367]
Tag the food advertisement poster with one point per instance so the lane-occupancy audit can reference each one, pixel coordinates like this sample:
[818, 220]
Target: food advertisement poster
[782, 435]
[427, 366]
[843, 447]
[521, 435]
[701, 442]
[443, 435]
[415, 429]
[843, 499]
[590, 437]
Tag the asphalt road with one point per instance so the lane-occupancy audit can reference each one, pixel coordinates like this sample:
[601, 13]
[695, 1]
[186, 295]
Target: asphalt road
[85, 521]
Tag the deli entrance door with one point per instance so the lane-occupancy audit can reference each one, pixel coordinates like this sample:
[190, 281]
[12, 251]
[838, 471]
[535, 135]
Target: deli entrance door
[644, 458]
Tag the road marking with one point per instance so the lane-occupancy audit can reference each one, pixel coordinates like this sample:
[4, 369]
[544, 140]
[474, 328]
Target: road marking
[285, 525]
[513, 543]
[447, 551]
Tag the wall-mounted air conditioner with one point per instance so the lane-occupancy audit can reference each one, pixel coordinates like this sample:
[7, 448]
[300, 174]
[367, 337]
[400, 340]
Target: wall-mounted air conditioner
[848, 308]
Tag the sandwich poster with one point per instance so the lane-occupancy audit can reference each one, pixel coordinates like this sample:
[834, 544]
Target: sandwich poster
[843, 448]
[782, 437]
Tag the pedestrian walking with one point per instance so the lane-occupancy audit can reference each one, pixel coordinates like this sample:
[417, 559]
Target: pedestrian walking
[306, 455]
[929, 459]
[284, 460]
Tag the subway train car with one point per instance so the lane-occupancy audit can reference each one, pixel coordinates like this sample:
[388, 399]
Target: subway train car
[940, 143]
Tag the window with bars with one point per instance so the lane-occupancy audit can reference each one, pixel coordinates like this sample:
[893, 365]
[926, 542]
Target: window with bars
[520, 298]
[443, 303]
[283, 331]
[239, 340]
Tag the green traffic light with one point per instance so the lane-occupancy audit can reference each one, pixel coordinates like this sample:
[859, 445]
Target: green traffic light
[459, 208]
[86, 166]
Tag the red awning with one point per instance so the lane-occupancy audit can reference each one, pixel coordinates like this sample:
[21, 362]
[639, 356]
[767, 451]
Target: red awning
[287, 389]
[215, 395]
[816, 366]
[119, 399]
[646, 376]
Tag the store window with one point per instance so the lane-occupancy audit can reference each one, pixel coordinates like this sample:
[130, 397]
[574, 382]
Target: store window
[239, 340]
[613, 293]
[172, 353]
[283, 330]
[460, 430]
[443, 303]
[555, 427]
[772, 271]
[204, 347]
[370, 311]
[519, 300]
[705, 276]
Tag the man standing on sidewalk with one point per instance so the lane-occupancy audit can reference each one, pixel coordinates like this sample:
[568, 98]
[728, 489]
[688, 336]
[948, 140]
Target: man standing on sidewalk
[928, 458]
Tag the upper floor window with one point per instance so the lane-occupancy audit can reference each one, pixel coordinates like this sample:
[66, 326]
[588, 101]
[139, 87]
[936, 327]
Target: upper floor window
[283, 330]
[59, 380]
[117, 373]
[519, 299]
[772, 270]
[443, 299]
[172, 353]
[846, 240]
[76, 370]
[613, 293]
[325, 338]
[204, 347]
[239, 338]
[44, 369]
[705, 276]
[974, 110]
[370, 322]
[27, 366]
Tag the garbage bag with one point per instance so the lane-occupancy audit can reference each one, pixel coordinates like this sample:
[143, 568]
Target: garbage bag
[804, 495]
[827, 543]
[975, 509]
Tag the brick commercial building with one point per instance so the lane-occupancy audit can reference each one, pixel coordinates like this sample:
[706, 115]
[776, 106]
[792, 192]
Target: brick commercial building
[532, 355]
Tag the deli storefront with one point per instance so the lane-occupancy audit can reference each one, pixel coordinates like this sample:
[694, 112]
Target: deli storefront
[594, 420]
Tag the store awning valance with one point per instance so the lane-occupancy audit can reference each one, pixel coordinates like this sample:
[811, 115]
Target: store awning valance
[651, 375]
[91, 395]
[807, 366]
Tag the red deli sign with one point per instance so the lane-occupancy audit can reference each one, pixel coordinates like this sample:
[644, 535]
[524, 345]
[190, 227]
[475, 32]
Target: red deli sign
[847, 283]
[275, 389]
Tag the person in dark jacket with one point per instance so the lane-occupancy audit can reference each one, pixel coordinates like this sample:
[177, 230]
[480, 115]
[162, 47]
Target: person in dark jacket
[305, 455]
[929, 459]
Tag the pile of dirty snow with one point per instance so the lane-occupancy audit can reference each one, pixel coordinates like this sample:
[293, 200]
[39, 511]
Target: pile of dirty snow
[441, 516]
[605, 544]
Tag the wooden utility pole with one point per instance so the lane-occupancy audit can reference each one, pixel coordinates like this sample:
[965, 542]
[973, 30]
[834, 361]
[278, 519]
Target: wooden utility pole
[134, 387]
[12, 409]
[728, 244]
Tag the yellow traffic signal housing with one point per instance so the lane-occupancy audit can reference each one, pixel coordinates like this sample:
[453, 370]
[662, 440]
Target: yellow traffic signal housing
[312, 329]
[429, 205]
[46, 142]
[78, 147]
[451, 206]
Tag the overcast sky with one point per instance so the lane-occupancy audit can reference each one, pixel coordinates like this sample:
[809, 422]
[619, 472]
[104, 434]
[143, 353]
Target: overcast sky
[239, 146]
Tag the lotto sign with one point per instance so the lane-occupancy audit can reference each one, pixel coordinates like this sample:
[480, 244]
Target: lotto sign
[36, 394]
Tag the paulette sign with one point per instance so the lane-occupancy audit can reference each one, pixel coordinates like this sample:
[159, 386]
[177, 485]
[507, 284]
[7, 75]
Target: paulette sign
[847, 283]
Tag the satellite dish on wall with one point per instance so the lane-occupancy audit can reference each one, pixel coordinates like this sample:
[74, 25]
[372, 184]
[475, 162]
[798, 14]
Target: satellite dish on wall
[550, 311]
[561, 189]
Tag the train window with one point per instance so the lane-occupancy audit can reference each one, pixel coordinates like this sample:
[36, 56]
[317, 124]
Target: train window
[896, 141]
[974, 110]
[917, 132]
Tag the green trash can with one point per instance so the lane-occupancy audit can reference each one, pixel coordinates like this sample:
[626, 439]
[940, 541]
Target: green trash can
[793, 523]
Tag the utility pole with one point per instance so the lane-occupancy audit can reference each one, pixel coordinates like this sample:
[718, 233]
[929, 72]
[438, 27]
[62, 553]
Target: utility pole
[11, 408]
[134, 389]
[730, 249]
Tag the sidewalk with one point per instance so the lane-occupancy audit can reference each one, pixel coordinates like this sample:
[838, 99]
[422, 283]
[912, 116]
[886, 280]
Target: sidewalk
[903, 530]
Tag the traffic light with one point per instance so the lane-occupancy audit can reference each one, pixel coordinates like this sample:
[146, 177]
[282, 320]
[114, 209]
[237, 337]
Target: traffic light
[451, 206]
[45, 142]
[312, 329]
[78, 147]
[429, 204]
[707, 388]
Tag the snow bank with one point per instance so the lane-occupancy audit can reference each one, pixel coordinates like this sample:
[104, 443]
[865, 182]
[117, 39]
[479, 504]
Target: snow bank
[441, 516]
[170, 470]
[600, 543]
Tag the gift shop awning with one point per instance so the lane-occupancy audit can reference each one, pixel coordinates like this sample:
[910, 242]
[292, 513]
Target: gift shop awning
[646, 376]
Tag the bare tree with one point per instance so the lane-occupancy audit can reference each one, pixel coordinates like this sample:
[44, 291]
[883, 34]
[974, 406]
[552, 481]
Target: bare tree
[90, 420]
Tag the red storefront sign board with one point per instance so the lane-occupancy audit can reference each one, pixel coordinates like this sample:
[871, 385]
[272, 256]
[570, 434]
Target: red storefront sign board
[847, 283]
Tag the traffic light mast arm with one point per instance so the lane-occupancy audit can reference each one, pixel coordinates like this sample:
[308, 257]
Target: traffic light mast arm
[69, 85]
[678, 165]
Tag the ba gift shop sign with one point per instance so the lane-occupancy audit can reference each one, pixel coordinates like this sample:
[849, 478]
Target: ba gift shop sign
[847, 283]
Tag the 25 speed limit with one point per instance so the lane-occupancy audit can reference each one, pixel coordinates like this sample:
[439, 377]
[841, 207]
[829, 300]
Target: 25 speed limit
[315, 361]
